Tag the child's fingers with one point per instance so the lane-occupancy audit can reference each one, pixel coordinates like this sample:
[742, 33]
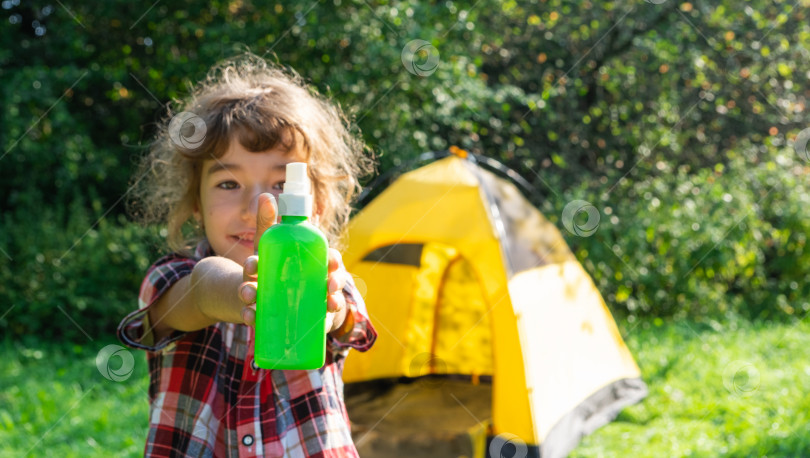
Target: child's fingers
[251, 268]
[249, 315]
[265, 216]
[337, 281]
[335, 302]
[335, 259]
[247, 292]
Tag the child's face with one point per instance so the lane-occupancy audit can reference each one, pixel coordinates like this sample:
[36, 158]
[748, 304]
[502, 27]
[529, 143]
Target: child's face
[229, 190]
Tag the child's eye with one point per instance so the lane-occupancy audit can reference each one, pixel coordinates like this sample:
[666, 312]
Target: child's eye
[228, 185]
[279, 186]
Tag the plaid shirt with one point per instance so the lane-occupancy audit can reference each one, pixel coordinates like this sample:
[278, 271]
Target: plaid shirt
[207, 397]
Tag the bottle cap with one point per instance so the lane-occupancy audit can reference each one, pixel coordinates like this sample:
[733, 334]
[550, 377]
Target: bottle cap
[297, 180]
[296, 199]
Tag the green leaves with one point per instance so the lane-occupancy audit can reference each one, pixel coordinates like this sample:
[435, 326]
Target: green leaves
[604, 101]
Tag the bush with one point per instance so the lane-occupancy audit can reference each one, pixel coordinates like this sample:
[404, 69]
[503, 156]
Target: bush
[687, 106]
[705, 243]
[68, 278]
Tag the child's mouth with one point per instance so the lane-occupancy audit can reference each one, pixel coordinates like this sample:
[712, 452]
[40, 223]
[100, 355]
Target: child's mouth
[244, 239]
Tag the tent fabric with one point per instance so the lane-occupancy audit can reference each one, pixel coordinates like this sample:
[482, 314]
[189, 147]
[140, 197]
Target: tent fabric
[600, 408]
[464, 276]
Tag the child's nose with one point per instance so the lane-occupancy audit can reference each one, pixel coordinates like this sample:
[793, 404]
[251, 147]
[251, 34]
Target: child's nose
[253, 206]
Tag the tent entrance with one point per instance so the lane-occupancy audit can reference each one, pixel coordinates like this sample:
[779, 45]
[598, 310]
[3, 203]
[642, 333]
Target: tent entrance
[447, 345]
[428, 417]
[449, 327]
[461, 340]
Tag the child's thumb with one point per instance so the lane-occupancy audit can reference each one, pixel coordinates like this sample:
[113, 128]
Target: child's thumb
[265, 216]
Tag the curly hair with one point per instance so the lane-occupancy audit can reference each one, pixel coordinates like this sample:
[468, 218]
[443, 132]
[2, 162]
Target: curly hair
[263, 106]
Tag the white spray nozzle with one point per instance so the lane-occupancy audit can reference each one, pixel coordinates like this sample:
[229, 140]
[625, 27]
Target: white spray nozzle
[297, 180]
[296, 199]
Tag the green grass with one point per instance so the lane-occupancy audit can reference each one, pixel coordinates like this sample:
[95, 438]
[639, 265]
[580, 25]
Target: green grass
[55, 402]
[728, 390]
[737, 389]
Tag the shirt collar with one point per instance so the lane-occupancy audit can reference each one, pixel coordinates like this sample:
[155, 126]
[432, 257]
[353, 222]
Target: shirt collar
[203, 249]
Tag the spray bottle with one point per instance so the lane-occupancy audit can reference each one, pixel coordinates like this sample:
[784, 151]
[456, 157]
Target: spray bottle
[292, 283]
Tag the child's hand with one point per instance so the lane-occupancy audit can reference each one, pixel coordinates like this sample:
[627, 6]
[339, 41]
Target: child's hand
[336, 280]
[335, 301]
[265, 218]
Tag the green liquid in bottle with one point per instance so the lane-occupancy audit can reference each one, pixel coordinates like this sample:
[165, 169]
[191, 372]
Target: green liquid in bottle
[291, 294]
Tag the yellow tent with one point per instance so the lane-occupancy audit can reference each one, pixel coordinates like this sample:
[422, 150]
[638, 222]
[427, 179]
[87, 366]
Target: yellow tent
[464, 276]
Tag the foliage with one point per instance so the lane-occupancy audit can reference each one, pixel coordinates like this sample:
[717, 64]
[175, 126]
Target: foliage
[712, 243]
[621, 104]
[80, 278]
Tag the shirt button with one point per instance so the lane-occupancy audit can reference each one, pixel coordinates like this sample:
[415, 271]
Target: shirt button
[247, 440]
[253, 365]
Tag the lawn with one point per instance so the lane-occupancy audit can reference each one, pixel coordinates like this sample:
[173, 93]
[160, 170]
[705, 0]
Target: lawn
[737, 389]
[723, 390]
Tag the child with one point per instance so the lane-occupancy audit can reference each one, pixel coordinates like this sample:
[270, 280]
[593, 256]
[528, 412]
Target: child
[217, 166]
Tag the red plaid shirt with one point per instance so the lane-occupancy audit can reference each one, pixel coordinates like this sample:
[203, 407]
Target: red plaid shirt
[207, 398]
